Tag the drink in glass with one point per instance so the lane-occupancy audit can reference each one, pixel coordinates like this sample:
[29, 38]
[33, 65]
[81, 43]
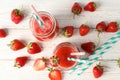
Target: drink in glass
[46, 32]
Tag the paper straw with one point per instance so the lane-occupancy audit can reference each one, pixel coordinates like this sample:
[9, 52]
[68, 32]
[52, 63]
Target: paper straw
[85, 61]
[96, 55]
[77, 60]
[37, 17]
[78, 53]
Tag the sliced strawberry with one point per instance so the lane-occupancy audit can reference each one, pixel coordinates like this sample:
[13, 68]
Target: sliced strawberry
[76, 8]
[68, 31]
[40, 64]
[112, 27]
[16, 44]
[91, 6]
[33, 48]
[84, 29]
[20, 61]
[3, 33]
[88, 47]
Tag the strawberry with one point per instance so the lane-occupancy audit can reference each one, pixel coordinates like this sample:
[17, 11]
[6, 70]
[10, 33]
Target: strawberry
[40, 64]
[33, 48]
[68, 31]
[89, 47]
[2, 33]
[98, 71]
[54, 61]
[84, 29]
[16, 45]
[91, 6]
[101, 27]
[20, 61]
[112, 27]
[54, 74]
[76, 8]
[16, 16]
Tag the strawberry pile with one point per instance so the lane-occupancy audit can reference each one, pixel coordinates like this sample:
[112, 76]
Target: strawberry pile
[68, 31]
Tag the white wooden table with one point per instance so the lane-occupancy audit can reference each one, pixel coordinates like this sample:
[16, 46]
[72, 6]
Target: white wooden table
[107, 10]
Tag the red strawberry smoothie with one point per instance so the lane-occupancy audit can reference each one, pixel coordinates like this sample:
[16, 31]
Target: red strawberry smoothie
[63, 53]
[47, 31]
[46, 28]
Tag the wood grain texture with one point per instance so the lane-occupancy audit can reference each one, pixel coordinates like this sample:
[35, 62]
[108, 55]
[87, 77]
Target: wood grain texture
[107, 10]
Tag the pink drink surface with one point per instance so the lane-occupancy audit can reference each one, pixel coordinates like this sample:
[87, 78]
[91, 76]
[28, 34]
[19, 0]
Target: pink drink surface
[63, 53]
[47, 28]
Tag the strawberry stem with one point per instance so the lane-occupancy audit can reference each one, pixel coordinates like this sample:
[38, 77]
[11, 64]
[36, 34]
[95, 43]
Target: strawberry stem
[118, 62]
[98, 43]
[99, 63]
[55, 60]
[29, 45]
[11, 43]
[21, 7]
[17, 65]
[44, 59]
[50, 69]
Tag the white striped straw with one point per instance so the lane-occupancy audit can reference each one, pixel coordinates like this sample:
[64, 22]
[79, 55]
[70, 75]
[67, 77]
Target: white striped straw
[77, 60]
[78, 53]
[37, 17]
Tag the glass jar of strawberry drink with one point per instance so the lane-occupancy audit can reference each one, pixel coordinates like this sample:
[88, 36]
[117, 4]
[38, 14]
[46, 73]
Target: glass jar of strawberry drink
[46, 32]
[63, 52]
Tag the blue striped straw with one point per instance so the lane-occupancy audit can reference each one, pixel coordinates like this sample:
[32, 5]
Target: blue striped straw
[37, 17]
[81, 67]
[77, 60]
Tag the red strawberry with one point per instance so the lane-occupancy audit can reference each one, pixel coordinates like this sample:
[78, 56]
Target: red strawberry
[112, 27]
[76, 8]
[20, 61]
[89, 47]
[55, 74]
[54, 61]
[68, 31]
[40, 64]
[91, 6]
[101, 27]
[16, 45]
[84, 29]
[2, 33]
[98, 71]
[33, 48]
[16, 16]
